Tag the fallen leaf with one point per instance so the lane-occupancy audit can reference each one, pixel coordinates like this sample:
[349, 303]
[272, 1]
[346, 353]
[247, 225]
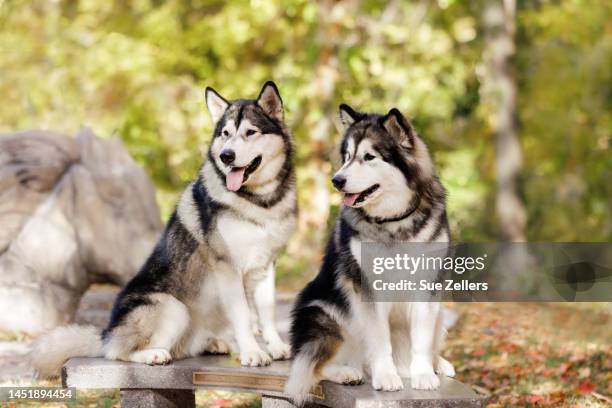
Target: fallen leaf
[585, 387]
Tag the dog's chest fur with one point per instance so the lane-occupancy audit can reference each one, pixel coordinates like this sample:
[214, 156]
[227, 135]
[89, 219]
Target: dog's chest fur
[237, 231]
[358, 230]
[253, 245]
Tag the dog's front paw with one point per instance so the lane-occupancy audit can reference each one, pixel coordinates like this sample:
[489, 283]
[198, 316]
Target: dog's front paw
[387, 381]
[422, 376]
[255, 358]
[445, 367]
[343, 374]
[151, 356]
[425, 381]
[279, 350]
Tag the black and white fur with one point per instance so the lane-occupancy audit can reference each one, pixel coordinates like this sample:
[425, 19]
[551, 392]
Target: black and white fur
[391, 194]
[211, 276]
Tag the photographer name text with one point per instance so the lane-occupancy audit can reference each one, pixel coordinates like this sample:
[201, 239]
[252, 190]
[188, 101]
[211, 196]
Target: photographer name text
[425, 285]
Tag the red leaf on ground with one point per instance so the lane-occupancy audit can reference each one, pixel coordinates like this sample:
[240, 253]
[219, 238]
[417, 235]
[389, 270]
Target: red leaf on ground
[585, 387]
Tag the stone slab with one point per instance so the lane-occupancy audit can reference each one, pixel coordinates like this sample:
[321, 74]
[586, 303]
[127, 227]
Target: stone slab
[132, 398]
[101, 373]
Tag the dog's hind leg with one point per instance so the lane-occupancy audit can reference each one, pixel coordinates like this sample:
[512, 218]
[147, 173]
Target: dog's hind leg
[442, 366]
[342, 374]
[346, 367]
[165, 322]
[445, 367]
[265, 305]
[218, 346]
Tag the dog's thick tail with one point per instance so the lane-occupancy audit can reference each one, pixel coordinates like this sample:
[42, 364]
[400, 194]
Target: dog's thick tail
[315, 338]
[51, 350]
[302, 379]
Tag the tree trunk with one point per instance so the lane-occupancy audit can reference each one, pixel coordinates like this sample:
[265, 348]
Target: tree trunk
[499, 96]
[499, 93]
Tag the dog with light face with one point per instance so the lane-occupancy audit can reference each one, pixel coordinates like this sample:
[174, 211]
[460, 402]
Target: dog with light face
[244, 140]
[390, 194]
[209, 283]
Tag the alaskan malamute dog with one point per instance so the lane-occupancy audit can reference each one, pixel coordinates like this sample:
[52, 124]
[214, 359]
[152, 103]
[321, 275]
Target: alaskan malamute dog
[391, 194]
[211, 274]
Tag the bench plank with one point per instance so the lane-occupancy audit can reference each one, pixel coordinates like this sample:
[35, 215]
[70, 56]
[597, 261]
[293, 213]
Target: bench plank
[225, 372]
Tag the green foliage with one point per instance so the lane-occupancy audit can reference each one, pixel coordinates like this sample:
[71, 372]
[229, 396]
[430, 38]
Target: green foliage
[138, 68]
[566, 112]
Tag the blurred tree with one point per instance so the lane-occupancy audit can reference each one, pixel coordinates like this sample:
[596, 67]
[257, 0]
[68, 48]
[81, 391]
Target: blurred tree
[565, 111]
[137, 69]
[499, 93]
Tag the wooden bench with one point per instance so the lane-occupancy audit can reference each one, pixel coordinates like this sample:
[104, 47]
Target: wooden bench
[173, 385]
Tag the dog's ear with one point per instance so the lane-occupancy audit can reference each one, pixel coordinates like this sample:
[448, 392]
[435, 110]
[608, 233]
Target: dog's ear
[217, 105]
[399, 128]
[270, 101]
[348, 116]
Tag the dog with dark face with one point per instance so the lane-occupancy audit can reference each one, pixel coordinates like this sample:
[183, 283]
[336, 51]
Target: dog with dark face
[210, 280]
[390, 194]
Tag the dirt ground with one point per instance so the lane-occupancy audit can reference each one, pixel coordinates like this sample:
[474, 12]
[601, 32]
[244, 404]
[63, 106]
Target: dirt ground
[515, 354]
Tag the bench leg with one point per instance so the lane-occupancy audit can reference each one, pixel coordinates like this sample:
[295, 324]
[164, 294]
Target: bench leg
[137, 398]
[273, 402]
[269, 401]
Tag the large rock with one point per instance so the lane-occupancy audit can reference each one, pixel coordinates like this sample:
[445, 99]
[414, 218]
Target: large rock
[73, 211]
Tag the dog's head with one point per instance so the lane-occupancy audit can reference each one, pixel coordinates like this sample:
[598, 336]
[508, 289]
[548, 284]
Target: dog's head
[250, 145]
[383, 162]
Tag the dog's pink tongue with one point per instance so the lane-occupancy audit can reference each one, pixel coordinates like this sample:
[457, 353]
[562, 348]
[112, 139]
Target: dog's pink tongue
[234, 179]
[349, 199]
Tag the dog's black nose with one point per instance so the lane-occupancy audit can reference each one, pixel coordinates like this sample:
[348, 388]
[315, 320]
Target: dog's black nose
[227, 156]
[338, 181]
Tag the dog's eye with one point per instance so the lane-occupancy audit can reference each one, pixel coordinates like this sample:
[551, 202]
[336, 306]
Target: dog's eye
[368, 157]
[225, 133]
[250, 132]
